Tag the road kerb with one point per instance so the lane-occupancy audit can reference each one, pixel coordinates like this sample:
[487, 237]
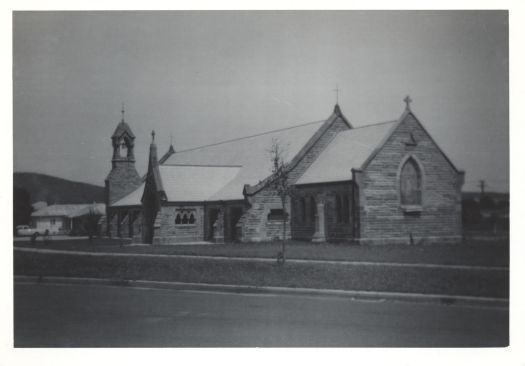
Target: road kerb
[263, 260]
[353, 294]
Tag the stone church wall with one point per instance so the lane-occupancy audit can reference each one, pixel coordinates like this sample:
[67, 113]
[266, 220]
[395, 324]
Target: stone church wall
[171, 232]
[255, 224]
[382, 218]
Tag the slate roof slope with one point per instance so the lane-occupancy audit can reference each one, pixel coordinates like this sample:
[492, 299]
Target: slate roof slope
[195, 183]
[349, 149]
[220, 171]
[133, 198]
[249, 154]
[70, 211]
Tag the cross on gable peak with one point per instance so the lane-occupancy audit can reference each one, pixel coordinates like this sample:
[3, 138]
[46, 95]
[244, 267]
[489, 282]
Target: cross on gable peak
[336, 90]
[407, 101]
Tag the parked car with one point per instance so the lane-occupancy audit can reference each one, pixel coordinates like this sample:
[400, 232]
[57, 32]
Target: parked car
[26, 230]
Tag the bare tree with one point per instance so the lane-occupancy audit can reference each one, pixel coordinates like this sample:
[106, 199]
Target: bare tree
[280, 182]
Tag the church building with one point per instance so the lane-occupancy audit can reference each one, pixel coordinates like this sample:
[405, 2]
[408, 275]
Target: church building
[382, 183]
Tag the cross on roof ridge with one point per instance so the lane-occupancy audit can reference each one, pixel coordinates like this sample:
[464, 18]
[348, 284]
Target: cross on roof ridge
[407, 101]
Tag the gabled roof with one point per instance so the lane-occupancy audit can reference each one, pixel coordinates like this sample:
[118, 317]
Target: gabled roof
[408, 112]
[122, 128]
[349, 149]
[250, 154]
[190, 183]
[289, 165]
[220, 171]
[195, 183]
[168, 153]
[354, 149]
[70, 211]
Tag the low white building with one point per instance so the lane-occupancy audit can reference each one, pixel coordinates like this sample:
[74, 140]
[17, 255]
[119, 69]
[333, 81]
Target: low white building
[65, 219]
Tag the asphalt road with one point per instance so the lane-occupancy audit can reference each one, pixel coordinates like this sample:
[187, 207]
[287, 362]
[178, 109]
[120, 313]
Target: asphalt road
[48, 315]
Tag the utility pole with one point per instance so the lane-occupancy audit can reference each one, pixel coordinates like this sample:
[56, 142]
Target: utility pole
[482, 186]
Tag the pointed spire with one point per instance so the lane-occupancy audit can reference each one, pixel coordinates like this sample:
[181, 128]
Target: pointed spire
[153, 159]
[122, 111]
[337, 110]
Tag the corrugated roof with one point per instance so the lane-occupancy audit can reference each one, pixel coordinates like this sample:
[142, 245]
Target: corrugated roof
[250, 153]
[195, 183]
[349, 149]
[70, 210]
[132, 199]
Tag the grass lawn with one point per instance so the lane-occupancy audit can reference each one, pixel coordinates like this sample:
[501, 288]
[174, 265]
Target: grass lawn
[199, 270]
[495, 253]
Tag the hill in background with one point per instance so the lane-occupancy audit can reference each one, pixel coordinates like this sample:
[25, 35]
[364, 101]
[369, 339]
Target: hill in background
[53, 190]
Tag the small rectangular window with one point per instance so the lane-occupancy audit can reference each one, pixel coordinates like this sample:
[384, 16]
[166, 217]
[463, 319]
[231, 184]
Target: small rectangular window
[276, 214]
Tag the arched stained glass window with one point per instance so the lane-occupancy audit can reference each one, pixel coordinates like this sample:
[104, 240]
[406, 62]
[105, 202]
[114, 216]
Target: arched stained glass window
[192, 219]
[177, 219]
[410, 183]
[184, 219]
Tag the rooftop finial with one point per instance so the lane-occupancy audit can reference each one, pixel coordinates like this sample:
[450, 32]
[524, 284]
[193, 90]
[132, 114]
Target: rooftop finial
[336, 94]
[153, 136]
[122, 110]
[407, 101]
[171, 139]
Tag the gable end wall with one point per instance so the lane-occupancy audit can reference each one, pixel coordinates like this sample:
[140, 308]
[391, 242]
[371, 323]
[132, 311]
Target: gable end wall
[382, 218]
[255, 226]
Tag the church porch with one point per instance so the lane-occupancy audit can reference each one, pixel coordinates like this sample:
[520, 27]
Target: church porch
[324, 212]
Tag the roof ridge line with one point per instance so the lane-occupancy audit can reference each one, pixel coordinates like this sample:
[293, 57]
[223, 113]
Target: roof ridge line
[374, 124]
[250, 136]
[206, 165]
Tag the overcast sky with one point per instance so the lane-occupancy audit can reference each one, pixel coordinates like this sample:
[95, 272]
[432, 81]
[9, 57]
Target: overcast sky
[210, 76]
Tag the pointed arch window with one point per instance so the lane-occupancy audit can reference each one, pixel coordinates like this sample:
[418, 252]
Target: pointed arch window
[410, 183]
[185, 217]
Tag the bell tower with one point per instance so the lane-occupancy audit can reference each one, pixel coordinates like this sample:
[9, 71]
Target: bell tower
[123, 177]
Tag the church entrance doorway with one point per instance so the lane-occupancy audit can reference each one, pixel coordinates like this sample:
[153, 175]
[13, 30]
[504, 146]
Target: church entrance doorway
[235, 215]
[212, 217]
